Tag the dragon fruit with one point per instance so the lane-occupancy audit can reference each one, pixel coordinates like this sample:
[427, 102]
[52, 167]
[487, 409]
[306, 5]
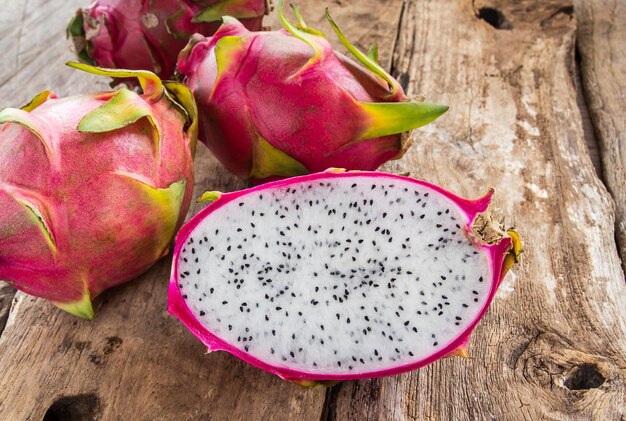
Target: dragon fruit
[148, 35]
[284, 103]
[93, 187]
[339, 275]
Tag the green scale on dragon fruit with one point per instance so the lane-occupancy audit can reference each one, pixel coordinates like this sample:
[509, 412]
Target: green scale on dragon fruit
[336, 276]
[283, 103]
[93, 187]
[148, 35]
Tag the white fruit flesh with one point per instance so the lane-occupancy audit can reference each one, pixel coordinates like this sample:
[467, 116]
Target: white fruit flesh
[345, 275]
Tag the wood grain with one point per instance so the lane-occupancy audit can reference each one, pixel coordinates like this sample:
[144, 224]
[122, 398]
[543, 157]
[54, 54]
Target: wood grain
[553, 345]
[602, 47]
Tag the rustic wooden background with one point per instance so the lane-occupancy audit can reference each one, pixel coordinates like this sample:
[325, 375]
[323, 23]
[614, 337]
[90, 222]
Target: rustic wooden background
[537, 95]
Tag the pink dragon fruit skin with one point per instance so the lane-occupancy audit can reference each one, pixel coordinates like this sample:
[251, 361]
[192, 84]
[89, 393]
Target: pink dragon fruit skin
[283, 103]
[503, 250]
[141, 34]
[93, 187]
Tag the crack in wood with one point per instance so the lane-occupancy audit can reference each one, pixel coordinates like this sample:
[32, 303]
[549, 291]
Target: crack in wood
[393, 68]
[7, 292]
[601, 29]
[588, 126]
[330, 400]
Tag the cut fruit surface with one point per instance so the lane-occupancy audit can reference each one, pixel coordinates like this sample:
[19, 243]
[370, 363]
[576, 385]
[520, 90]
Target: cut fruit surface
[336, 275]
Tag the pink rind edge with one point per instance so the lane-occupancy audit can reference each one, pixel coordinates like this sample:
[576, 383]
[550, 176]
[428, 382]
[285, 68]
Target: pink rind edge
[178, 307]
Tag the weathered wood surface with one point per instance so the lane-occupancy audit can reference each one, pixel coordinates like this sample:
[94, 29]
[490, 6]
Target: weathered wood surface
[602, 47]
[553, 346]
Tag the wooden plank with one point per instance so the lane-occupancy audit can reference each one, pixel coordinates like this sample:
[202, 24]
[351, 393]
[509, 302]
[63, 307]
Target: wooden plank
[133, 361]
[602, 47]
[32, 38]
[553, 345]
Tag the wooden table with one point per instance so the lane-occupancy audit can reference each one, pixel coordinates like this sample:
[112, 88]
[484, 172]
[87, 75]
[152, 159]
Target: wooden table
[552, 346]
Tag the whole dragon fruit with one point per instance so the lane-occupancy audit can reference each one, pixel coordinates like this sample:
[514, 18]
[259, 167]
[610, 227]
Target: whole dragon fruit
[335, 276]
[148, 35]
[284, 103]
[93, 187]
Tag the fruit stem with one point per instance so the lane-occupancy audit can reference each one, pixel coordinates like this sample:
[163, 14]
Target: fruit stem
[488, 227]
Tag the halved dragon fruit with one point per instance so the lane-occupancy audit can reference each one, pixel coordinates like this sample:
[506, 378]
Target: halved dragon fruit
[148, 35]
[339, 275]
[283, 103]
[93, 187]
